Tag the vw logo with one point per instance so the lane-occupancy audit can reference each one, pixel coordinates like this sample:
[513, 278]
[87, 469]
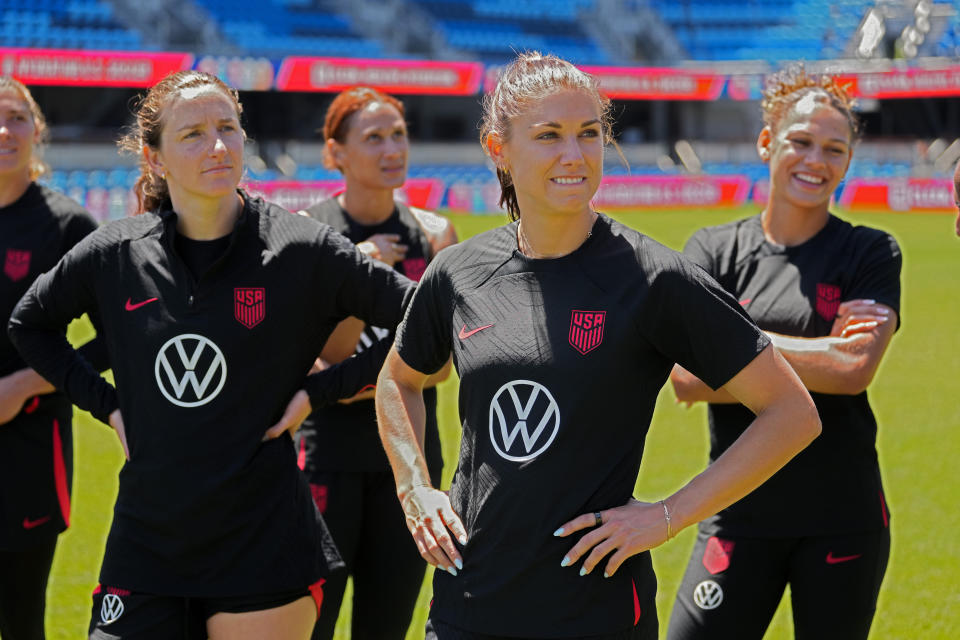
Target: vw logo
[111, 608]
[190, 359]
[517, 406]
[708, 595]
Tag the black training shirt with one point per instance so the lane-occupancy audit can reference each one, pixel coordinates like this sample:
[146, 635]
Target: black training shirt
[560, 364]
[344, 437]
[203, 367]
[36, 446]
[832, 486]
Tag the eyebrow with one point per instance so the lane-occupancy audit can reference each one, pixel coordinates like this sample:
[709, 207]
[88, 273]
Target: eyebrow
[557, 125]
[197, 125]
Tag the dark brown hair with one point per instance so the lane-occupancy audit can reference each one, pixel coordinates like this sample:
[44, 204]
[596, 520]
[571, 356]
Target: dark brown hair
[785, 88]
[531, 77]
[37, 166]
[336, 124]
[151, 189]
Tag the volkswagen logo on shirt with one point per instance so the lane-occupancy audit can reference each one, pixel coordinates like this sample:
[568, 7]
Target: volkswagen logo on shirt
[111, 608]
[708, 595]
[524, 420]
[190, 370]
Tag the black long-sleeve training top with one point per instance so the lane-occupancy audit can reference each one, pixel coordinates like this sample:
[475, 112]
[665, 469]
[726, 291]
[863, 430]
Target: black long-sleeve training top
[203, 367]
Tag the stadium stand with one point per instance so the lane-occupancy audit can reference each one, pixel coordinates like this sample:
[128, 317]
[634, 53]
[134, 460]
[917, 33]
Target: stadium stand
[288, 27]
[76, 24]
[492, 30]
[771, 30]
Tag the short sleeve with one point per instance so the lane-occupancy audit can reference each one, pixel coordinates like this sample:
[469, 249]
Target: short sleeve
[424, 336]
[691, 320]
[878, 275]
[698, 251]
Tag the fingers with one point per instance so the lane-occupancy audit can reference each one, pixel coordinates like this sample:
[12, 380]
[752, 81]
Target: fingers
[859, 327]
[430, 518]
[296, 412]
[453, 522]
[584, 521]
[583, 545]
[116, 421]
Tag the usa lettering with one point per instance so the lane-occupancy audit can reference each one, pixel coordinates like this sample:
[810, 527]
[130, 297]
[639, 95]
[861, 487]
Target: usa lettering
[249, 297]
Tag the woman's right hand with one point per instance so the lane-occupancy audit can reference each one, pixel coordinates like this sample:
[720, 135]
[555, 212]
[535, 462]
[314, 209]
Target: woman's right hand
[384, 247]
[116, 421]
[429, 516]
[858, 316]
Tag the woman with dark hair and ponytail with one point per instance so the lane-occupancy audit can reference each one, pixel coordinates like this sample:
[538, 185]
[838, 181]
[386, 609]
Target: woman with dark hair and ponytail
[37, 226]
[563, 326]
[827, 293]
[366, 141]
[213, 306]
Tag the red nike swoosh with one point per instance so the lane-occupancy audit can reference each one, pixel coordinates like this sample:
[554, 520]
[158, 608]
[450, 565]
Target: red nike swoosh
[745, 302]
[131, 306]
[832, 559]
[464, 334]
[30, 524]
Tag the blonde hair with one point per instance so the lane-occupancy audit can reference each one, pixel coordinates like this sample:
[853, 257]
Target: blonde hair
[152, 191]
[37, 166]
[531, 77]
[785, 88]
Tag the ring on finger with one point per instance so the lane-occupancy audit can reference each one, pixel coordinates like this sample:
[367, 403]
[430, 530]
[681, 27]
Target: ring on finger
[598, 519]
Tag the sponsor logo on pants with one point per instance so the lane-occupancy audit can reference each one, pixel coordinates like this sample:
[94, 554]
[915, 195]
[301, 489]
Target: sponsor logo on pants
[708, 595]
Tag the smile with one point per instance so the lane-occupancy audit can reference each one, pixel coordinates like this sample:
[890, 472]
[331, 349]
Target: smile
[568, 180]
[218, 169]
[809, 178]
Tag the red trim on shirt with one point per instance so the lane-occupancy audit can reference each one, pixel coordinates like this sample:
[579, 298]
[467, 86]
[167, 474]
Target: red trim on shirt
[883, 510]
[636, 604]
[316, 590]
[60, 475]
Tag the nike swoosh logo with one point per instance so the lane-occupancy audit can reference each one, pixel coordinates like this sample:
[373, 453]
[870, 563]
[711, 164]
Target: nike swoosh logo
[132, 306]
[745, 302]
[832, 559]
[30, 524]
[464, 334]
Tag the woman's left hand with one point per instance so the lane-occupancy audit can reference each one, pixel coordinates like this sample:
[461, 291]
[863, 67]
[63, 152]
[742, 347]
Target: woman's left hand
[296, 412]
[627, 530]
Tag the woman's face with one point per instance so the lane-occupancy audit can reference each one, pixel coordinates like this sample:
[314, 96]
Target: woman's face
[374, 154]
[201, 145]
[555, 154]
[809, 154]
[18, 134]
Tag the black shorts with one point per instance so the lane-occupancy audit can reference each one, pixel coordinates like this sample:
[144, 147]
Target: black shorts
[23, 589]
[647, 629]
[119, 614]
[732, 586]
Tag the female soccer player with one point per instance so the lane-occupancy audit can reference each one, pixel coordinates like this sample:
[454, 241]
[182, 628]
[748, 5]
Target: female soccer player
[37, 226]
[366, 140]
[214, 306]
[563, 326]
[828, 295]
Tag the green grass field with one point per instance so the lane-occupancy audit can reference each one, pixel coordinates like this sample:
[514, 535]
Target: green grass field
[916, 396]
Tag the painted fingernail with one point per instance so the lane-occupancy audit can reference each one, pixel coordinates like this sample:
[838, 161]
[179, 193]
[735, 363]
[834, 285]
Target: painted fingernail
[870, 301]
[459, 564]
[583, 571]
[606, 575]
[565, 562]
[558, 532]
[451, 571]
[462, 539]
[883, 311]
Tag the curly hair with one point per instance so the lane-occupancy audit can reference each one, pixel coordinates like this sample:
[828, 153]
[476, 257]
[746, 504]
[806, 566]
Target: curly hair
[787, 87]
[531, 77]
[152, 191]
[37, 166]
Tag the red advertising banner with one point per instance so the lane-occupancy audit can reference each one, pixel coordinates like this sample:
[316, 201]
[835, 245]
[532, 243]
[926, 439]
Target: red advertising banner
[905, 83]
[426, 193]
[422, 77]
[66, 67]
[652, 83]
[899, 194]
[671, 191]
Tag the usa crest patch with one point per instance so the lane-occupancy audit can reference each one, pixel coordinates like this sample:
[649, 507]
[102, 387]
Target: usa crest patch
[828, 300]
[586, 330]
[249, 305]
[17, 264]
